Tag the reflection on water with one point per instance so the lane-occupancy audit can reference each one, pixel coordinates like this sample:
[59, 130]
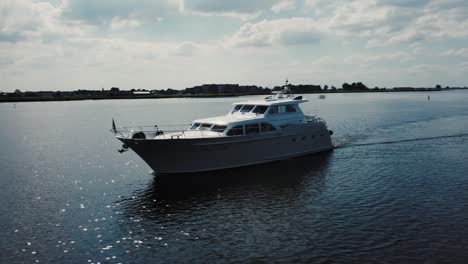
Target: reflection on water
[272, 179]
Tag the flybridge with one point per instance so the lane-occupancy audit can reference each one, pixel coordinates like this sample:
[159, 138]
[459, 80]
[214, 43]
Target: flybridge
[276, 99]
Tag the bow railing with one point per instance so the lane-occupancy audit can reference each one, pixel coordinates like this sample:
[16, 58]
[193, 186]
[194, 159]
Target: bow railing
[157, 132]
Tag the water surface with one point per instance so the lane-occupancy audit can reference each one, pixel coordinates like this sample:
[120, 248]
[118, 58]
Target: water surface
[394, 190]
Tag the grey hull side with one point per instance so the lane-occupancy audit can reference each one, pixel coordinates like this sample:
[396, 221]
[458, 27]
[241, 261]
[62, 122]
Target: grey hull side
[206, 154]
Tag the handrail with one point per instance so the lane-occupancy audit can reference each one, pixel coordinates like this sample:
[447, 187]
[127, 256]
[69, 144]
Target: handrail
[311, 118]
[155, 132]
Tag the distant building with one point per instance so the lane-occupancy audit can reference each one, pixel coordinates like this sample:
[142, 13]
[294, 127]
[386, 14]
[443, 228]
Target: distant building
[141, 92]
[45, 93]
[414, 89]
[226, 89]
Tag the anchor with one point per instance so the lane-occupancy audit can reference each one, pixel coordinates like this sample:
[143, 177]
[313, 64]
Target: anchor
[123, 149]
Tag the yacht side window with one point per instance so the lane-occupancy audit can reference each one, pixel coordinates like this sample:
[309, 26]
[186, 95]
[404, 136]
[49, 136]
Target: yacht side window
[195, 126]
[286, 109]
[260, 109]
[236, 131]
[290, 109]
[252, 129]
[205, 127]
[281, 109]
[267, 127]
[219, 129]
[273, 110]
[247, 108]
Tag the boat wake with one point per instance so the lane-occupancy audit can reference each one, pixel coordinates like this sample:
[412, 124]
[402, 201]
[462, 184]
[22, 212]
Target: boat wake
[344, 145]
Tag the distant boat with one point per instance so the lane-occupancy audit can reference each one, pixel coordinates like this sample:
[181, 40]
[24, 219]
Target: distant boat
[322, 96]
[252, 132]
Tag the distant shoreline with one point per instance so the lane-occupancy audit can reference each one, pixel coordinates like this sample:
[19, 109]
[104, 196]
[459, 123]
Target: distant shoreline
[126, 97]
[82, 98]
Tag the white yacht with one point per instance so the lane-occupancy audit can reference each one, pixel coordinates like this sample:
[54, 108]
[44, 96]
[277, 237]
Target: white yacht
[252, 132]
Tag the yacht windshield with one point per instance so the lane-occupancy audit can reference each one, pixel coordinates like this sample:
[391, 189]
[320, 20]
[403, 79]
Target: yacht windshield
[195, 126]
[236, 108]
[247, 108]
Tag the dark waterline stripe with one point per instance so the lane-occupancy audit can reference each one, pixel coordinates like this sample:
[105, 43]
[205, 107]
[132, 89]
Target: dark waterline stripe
[398, 141]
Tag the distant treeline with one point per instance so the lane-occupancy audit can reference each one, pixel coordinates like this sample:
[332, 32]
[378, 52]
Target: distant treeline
[206, 90]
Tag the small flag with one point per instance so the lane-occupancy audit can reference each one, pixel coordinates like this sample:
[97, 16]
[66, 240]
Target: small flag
[113, 126]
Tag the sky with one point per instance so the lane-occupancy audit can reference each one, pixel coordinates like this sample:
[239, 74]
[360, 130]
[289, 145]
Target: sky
[160, 44]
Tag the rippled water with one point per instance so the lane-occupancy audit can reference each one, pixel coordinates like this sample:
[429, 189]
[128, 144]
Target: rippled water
[394, 190]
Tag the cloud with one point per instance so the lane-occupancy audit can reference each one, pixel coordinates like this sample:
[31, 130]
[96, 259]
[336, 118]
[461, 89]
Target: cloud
[364, 58]
[405, 3]
[463, 66]
[21, 19]
[30, 54]
[427, 69]
[241, 9]
[106, 42]
[94, 52]
[393, 22]
[285, 5]
[186, 48]
[97, 12]
[95, 62]
[298, 37]
[118, 23]
[463, 52]
[280, 31]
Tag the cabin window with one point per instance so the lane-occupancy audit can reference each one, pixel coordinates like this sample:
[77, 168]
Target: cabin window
[205, 127]
[260, 109]
[236, 131]
[247, 108]
[219, 129]
[290, 109]
[281, 109]
[236, 108]
[273, 110]
[266, 127]
[252, 129]
[195, 126]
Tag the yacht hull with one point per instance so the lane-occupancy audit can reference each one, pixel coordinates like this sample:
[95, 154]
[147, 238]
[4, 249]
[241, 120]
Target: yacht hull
[207, 154]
